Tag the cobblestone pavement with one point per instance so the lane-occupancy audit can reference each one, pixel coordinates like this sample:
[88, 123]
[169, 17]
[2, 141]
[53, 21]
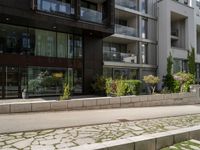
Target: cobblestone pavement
[76, 136]
[187, 145]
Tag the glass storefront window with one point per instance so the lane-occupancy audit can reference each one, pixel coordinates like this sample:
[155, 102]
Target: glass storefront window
[45, 44]
[107, 72]
[120, 73]
[78, 81]
[62, 45]
[15, 40]
[36, 42]
[11, 82]
[46, 81]
[77, 47]
[70, 46]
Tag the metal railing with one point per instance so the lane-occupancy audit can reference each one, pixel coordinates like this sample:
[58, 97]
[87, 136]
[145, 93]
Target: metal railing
[54, 6]
[125, 30]
[119, 57]
[91, 15]
[127, 3]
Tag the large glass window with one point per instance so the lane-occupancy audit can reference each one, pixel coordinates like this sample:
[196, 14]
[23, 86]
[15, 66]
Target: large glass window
[15, 40]
[78, 81]
[77, 47]
[36, 42]
[120, 52]
[70, 46]
[11, 82]
[144, 29]
[45, 44]
[65, 7]
[46, 81]
[62, 45]
[144, 54]
[180, 65]
[120, 73]
[144, 6]
[89, 5]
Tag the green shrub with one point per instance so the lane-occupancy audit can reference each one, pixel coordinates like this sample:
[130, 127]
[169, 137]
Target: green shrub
[110, 87]
[66, 92]
[171, 84]
[133, 87]
[185, 80]
[99, 86]
[122, 87]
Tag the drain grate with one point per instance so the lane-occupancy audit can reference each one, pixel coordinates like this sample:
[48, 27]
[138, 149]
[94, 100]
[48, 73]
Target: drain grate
[123, 120]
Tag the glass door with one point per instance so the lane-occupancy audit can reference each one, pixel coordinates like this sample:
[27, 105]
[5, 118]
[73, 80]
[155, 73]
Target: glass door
[11, 82]
[1, 82]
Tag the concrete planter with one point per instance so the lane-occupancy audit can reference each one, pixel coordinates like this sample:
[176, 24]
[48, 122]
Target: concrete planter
[105, 103]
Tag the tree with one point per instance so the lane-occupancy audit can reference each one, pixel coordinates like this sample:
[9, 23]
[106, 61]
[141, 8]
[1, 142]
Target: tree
[191, 62]
[168, 79]
[152, 81]
[169, 64]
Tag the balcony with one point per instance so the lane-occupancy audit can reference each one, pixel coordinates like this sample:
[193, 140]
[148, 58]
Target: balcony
[119, 57]
[91, 15]
[125, 30]
[127, 3]
[54, 6]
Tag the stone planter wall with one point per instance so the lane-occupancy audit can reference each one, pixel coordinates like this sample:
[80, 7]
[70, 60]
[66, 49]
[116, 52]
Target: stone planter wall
[103, 103]
[147, 142]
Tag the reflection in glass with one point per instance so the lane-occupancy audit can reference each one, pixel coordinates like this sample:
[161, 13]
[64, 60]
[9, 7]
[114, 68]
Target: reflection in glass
[11, 82]
[124, 73]
[77, 47]
[144, 28]
[62, 45]
[45, 43]
[78, 81]
[70, 46]
[56, 6]
[144, 53]
[46, 81]
[144, 6]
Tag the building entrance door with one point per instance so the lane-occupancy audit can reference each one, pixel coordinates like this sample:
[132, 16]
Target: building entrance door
[11, 82]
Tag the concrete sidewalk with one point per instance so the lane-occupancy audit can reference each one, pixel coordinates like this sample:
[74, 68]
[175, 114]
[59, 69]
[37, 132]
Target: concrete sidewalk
[46, 120]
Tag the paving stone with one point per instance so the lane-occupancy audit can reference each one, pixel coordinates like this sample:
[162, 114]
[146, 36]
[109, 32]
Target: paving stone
[77, 136]
[23, 144]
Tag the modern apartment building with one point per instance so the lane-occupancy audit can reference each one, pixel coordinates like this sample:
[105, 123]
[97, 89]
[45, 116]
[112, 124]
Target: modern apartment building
[46, 42]
[131, 52]
[146, 32]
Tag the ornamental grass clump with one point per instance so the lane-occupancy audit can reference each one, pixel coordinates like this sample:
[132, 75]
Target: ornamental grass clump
[66, 92]
[152, 81]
